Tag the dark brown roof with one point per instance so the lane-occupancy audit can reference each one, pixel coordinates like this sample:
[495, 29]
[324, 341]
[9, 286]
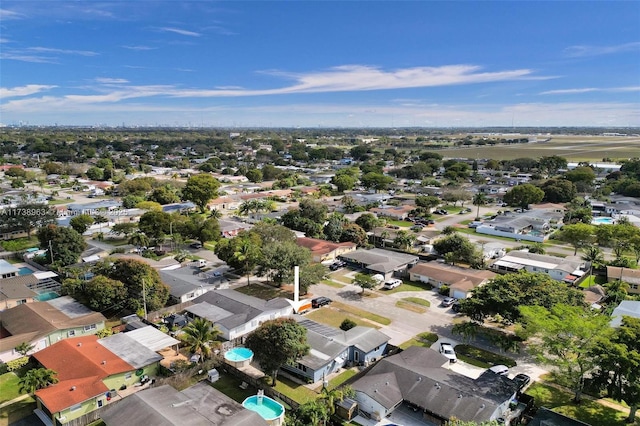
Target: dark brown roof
[16, 287]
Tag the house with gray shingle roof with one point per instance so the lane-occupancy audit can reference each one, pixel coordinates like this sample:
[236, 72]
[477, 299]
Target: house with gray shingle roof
[418, 376]
[237, 314]
[380, 261]
[568, 269]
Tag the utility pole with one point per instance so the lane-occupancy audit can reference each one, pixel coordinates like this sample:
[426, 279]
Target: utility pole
[144, 299]
[50, 251]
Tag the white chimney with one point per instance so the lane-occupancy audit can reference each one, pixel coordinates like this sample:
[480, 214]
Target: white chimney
[296, 284]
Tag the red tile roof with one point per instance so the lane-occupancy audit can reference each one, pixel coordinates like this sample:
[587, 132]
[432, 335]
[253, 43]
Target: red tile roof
[318, 246]
[81, 363]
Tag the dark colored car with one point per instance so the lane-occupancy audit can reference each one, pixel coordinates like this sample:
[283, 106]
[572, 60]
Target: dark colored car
[320, 301]
[337, 265]
[522, 380]
[455, 307]
[196, 245]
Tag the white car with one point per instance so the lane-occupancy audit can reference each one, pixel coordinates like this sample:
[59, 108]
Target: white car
[447, 350]
[392, 284]
[502, 370]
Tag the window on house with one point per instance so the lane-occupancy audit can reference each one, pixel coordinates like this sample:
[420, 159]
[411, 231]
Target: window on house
[634, 286]
[75, 407]
[71, 333]
[127, 376]
[100, 403]
[89, 327]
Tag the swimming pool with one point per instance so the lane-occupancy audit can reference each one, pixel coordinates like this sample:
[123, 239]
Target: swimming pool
[25, 271]
[270, 410]
[602, 221]
[47, 295]
[239, 357]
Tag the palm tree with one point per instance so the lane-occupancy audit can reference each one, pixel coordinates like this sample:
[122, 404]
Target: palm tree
[404, 240]
[383, 236]
[593, 255]
[200, 336]
[479, 200]
[333, 396]
[215, 214]
[247, 253]
[38, 378]
[139, 239]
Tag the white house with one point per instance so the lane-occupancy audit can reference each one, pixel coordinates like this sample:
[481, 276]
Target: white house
[568, 269]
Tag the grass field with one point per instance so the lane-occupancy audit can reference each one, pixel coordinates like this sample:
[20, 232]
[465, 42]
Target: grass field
[409, 286]
[588, 411]
[9, 387]
[17, 411]
[573, 148]
[424, 339]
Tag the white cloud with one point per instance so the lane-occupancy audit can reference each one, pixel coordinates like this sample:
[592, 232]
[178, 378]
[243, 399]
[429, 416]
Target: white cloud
[27, 90]
[5, 15]
[106, 80]
[584, 50]
[180, 31]
[139, 48]
[4, 40]
[37, 59]
[591, 89]
[62, 51]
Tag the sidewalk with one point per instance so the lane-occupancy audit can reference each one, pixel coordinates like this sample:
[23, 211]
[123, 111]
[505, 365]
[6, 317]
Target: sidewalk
[14, 400]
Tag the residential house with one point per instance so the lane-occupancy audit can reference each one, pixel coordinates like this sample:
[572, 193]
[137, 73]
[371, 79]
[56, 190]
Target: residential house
[323, 250]
[379, 261]
[237, 314]
[629, 308]
[179, 207]
[43, 324]
[460, 280]
[200, 404]
[230, 229]
[393, 212]
[532, 225]
[419, 377]
[332, 349]
[15, 291]
[90, 374]
[188, 282]
[568, 269]
[7, 270]
[628, 275]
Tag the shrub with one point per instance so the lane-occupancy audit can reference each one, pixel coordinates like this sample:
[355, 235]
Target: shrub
[444, 290]
[347, 324]
[17, 364]
[3, 368]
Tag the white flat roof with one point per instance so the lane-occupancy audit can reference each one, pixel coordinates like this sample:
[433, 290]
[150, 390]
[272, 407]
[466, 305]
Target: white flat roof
[529, 262]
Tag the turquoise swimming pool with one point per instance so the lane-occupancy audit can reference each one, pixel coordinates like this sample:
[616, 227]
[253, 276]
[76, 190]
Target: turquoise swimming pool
[239, 354]
[268, 408]
[25, 271]
[602, 221]
[47, 295]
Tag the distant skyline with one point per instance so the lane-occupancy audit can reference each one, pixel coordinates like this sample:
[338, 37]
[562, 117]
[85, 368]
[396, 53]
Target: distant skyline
[320, 64]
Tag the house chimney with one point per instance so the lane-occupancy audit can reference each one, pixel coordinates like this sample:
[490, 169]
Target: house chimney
[296, 284]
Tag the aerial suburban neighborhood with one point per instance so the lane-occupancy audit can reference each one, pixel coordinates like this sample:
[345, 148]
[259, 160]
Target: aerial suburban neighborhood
[319, 213]
[408, 285]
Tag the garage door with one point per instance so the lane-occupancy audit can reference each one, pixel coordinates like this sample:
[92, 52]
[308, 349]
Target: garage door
[459, 294]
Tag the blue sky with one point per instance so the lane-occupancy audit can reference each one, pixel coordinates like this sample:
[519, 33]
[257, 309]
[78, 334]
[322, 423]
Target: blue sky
[310, 64]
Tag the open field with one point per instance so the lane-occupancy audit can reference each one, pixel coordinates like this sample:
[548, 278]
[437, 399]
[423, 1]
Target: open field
[573, 148]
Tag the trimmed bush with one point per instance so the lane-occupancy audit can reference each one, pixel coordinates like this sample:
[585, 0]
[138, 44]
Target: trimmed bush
[17, 364]
[444, 290]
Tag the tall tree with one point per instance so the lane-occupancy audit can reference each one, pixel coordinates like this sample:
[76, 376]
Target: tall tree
[364, 281]
[565, 337]
[618, 370]
[276, 343]
[65, 244]
[81, 223]
[278, 259]
[578, 235]
[523, 195]
[247, 252]
[479, 199]
[200, 336]
[200, 189]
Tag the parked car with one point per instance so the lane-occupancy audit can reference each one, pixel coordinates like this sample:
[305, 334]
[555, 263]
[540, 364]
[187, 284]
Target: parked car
[391, 284]
[455, 307]
[416, 228]
[465, 211]
[337, 265]
[320, 301]
[474, 224]
[446, 349]
[441, 211]
[196, 245]
[522, 380]
[431, 222]
[448, 301]
[502, 370]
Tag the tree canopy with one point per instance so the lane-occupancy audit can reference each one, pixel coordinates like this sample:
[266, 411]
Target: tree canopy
[65, 244]
[504, 294]
[200, 189]
[523, 195]
[276, 343]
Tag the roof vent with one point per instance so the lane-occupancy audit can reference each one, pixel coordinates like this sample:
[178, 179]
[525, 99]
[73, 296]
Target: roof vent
[79, 343]
[482, 406]
[104, 362]
[375, 390]
[419, 378]
[386, 383]
[460, 396]
[73, 388]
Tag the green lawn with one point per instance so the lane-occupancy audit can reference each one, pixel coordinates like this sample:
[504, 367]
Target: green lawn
[298, 393]
[9, 387]
[17, 411]
[361, 313]
[261, 291]
[588, 411]
[481, 358]
[229, 385]
[591, 280]
[339, 379]
[417, 301]
[20, 243]
[332, 283]
[334, 317]
[409, 286]
[411, 307]
[423, 339]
